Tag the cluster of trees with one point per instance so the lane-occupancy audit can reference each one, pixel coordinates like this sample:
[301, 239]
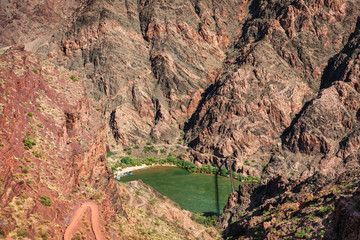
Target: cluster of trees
[189, 166]
[210, 169]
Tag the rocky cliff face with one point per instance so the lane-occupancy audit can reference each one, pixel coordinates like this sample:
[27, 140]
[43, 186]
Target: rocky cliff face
[53, 146]
[274, 69]
[242, 72]
[320, 144]
[268, 88]
[147, 62]
[32, 21]
[346, 218]
[326, 131]
[286, 209]
[50, 153]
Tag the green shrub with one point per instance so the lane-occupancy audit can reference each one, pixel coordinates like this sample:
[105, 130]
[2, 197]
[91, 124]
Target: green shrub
[25, 169]
[224, 172]
[127, 160]
[252, 179]
[207, 168]
[46, 200]
[76, 237]
[36, 70]
[326, 209]
[191, 167]
[74, 78]
[44, 235]
[29, 142]
[204, 220]
[109, 154]
[38, 153]
[29, 182]
[127, 150]
[148, 149]
[30, 114]
[96, 196]
[21, 232]
[310, 216]
[301, 234]
[171, 159]
[162, 150]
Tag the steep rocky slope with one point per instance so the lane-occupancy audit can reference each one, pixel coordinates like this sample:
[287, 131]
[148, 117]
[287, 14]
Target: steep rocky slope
[346, 218]
[147, 62]
[293, 210]
[48, 148]
[268, 88]
[320, 145]
[327, 131]
[275, 67]
[241, 71]
[53, 148]
[31, 21]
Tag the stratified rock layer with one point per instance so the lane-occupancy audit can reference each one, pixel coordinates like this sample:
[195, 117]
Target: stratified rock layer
[274, 69]
[146, 61]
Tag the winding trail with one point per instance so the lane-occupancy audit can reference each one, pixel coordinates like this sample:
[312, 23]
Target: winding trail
[95, 223]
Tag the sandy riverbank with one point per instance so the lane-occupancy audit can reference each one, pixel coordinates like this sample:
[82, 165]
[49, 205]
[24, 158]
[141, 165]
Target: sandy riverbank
[129, 169]
[134, 168]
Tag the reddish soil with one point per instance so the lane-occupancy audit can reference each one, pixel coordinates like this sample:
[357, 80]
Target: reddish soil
[95, 223]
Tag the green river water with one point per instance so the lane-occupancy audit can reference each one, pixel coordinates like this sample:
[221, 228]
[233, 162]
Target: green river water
[192, 191]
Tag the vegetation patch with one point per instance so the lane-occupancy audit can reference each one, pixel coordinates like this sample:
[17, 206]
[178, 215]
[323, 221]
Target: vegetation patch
[74, 78]
[189, 166]
[201, 218]
[109, 154]
[46, 200]
[22, 232]
[29, 142]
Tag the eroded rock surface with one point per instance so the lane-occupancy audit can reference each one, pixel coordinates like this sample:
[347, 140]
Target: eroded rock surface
[346, 218]
[53, 146]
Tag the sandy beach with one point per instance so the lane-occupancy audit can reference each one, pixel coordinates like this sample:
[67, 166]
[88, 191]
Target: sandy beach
[129, 169]
[134, 168]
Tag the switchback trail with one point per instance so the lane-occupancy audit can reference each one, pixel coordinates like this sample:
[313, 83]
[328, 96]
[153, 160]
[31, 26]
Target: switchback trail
[95, 223]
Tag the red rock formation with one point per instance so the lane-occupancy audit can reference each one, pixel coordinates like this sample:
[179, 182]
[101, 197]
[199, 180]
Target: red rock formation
[327, 129]
[274, 70]
[52, 142]
[26, 21]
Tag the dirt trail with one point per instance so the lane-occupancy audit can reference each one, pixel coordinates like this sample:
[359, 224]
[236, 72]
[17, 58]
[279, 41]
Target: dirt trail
[95, 223]
[132, 199]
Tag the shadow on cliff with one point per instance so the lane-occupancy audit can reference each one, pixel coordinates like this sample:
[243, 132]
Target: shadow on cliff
[332, 72]
[336, 66]
[287, 131]
[195, 116]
